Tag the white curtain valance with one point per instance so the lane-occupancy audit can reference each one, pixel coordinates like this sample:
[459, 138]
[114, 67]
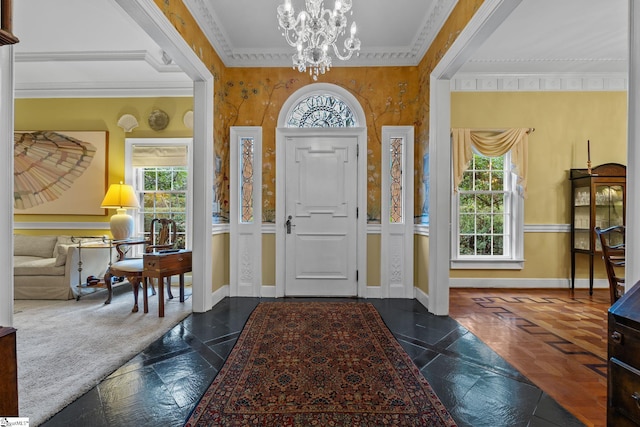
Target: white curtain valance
[491, 144]
[159, 156]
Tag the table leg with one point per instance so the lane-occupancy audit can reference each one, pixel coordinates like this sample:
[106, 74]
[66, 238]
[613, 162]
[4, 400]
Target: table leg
[145, 298]
[169, 287]
[182, 287]
[161, 297]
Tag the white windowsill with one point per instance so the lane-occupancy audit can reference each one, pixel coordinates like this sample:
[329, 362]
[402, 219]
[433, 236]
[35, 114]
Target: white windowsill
[487, 264]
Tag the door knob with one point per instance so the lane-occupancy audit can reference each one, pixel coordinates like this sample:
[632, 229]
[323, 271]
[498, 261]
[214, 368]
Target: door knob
[288, 224]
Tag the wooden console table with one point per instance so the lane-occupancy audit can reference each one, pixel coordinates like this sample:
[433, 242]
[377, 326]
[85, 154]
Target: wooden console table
[159, 265]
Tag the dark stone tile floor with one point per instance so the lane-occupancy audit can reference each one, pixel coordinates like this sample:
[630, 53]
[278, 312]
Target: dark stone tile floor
[162, 384]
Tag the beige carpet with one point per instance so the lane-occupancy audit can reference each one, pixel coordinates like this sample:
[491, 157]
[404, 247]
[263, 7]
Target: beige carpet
[65, 348]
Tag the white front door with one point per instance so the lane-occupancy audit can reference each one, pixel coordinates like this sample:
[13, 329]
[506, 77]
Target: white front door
[321, 213]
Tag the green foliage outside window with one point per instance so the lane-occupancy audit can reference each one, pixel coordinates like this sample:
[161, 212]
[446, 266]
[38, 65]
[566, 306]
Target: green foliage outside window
[482, 200]
[165, 196]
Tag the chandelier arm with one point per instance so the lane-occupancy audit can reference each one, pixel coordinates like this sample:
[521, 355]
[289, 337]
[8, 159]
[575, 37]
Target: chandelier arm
[292, 42]
[339, 56]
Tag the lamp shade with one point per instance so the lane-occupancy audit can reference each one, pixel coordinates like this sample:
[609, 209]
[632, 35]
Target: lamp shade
[121, 197]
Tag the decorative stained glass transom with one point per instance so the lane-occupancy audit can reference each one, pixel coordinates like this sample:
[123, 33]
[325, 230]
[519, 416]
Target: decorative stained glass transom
[321, 111]
[395, 180]
[246, 185]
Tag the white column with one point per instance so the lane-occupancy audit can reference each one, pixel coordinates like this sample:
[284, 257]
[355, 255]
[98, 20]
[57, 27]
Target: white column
[439, 196]
[151, 19]
[632, 273]
[6, 184]
[202, 195]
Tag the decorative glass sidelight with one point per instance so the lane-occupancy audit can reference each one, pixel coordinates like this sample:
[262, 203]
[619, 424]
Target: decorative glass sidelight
[246, 184]
[395, 180]
[396, 267]
[321, 111]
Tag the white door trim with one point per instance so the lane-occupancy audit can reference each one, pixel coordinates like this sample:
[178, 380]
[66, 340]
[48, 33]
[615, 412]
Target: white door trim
[633, 149]
[396, 251]
[361, 246]
[151, 19]
[489, 16]
[129, 143]
[245, 272]
[7, 84]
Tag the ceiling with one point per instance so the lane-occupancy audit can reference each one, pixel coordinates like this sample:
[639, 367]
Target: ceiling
[80, 48]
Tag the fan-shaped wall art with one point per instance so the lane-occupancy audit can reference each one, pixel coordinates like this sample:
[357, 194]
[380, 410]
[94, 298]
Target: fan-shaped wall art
[60, 172]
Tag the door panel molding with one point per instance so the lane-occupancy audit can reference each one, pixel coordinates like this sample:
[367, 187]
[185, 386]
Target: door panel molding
[321, 208]
[360, 136]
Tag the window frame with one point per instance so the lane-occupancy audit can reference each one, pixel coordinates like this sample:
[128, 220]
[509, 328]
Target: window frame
[513, 232]
[132, 179]
[141, 213]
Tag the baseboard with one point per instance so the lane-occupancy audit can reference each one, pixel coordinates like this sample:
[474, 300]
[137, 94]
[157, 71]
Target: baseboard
[219, 294]
[422, 297]
[268, 291]
[559, 283]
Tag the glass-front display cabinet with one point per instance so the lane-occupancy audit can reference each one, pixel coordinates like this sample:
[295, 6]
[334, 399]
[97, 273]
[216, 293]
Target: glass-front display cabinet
[597, 200]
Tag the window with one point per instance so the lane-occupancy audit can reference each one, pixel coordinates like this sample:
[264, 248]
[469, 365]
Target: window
[246, 180]
[321, 111]
[163, 194]
[159, 171]
[487, 229]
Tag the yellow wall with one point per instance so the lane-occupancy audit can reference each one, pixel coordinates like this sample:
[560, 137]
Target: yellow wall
[102, 114]
[373, 259]
[220, 261]
[269, 259]
[563, 123]
[420, 262]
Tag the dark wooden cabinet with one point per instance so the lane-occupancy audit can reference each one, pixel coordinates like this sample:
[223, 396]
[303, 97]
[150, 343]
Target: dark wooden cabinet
[8, 373]
[623, 388]
[598, 199]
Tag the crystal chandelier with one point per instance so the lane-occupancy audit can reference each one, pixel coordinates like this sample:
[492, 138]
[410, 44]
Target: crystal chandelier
[313, 31]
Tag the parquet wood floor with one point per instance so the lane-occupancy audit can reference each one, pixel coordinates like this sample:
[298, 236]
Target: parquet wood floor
[557, 338]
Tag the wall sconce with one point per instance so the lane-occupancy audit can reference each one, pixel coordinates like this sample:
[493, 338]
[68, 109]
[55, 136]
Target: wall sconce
[128, 122]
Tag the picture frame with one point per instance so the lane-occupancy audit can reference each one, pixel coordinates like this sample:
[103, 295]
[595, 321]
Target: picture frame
[60, 172]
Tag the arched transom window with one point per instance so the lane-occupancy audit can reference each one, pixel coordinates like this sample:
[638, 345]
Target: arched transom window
[321, 111]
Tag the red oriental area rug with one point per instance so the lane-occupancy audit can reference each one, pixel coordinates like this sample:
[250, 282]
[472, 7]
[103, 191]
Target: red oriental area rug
[318, 363]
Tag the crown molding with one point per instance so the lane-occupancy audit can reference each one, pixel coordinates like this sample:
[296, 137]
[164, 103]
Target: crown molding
[207, 19]
[208, 23]
[103, 90]
[101, 56]
[431, 27]
[539, 82]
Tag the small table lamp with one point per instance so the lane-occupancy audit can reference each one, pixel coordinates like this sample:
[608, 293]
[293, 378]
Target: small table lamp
[121, 197]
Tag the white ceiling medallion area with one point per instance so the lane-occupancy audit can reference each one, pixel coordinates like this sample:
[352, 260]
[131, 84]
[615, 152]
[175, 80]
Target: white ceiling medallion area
[214, 17]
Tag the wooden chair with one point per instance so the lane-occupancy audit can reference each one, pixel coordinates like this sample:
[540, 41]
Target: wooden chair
[612, 240]
[162, 236]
